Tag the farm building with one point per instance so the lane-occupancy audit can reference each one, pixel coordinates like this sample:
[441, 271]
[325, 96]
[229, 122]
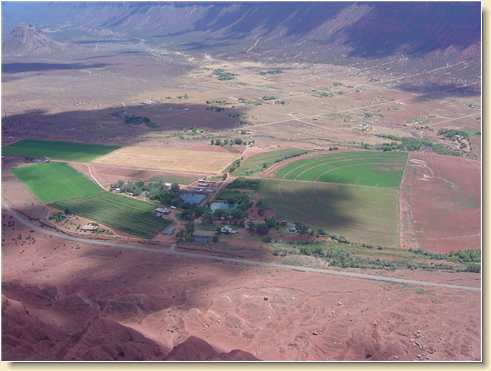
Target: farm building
[90, 227]
[292, 228]
[203, 236]
[161, 211]
[40, 160]
[226, 229]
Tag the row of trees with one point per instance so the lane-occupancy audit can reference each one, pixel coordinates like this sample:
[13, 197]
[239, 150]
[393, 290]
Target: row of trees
[230, 142]
[155, 190]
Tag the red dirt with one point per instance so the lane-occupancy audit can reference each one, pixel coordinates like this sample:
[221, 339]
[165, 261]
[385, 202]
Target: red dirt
[68, 301]
[440, 203]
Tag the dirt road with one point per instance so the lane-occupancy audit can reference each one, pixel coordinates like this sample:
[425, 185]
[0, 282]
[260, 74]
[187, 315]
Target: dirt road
[24, 220]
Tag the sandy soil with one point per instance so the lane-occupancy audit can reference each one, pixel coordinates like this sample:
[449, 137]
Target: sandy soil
[440, 203]
[211, 160]
[70, 301]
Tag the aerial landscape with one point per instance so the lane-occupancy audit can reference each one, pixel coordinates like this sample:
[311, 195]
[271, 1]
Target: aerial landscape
[200, 181]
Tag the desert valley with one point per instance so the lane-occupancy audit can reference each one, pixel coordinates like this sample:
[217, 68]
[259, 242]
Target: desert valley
[237, 181]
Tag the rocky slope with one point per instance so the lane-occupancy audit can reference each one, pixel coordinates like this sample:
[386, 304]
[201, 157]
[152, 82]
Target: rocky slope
[320, 32]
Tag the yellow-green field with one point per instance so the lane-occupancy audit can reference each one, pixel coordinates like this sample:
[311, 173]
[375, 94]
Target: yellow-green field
[361, 214]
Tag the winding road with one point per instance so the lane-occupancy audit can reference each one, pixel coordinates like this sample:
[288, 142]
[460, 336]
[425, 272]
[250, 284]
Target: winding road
[172, 251]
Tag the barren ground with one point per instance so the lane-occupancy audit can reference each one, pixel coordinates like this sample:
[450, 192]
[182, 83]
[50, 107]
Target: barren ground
[440, 203]
[70, 301]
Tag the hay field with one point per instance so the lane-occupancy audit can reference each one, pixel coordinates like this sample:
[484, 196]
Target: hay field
[170, 159]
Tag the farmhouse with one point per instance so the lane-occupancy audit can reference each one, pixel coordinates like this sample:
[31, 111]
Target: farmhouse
[90, 227]
[291, 228]
[226, 229]
[161, 211]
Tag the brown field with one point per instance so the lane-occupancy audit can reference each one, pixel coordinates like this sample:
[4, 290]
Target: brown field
[110, 174]
[212, 161]
[440, 203]
[70, 301]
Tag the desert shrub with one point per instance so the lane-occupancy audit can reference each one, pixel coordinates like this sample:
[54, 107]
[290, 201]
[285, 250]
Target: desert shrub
[233, 166]
[312, 250]
[473, 268]
[466, 256]
[428, 254]
[339, 257]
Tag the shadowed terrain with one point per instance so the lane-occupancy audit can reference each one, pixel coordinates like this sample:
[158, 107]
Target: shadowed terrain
[11, 68]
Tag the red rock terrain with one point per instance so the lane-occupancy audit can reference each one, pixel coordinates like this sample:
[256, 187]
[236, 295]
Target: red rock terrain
[69, 301]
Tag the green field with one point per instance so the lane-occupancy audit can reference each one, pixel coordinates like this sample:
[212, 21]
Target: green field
[361, 214]
[259, 162]
[61, 187]
[55, 150]
[119, 212]
[381, 169]
[54, 181]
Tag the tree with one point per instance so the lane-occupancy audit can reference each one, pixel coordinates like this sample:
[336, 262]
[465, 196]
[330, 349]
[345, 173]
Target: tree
[301, 228]
[271, 223]
[237, 214]
[207, 217]
[188, 231]
[174, 188]
[262, 229]
[219, 213]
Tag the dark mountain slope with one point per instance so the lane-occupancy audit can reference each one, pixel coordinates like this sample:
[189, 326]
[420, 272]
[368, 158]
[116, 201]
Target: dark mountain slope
[320, 32]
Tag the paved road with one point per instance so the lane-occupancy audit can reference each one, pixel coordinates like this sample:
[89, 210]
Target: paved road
[172, 251]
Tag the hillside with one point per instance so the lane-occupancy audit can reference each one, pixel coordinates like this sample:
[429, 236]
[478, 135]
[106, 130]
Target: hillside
[318, 32]
[28, 40]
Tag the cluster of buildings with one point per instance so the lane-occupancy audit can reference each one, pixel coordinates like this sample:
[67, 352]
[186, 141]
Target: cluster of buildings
[204, 186]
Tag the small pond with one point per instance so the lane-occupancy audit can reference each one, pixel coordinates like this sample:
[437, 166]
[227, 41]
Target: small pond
[192, 198]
